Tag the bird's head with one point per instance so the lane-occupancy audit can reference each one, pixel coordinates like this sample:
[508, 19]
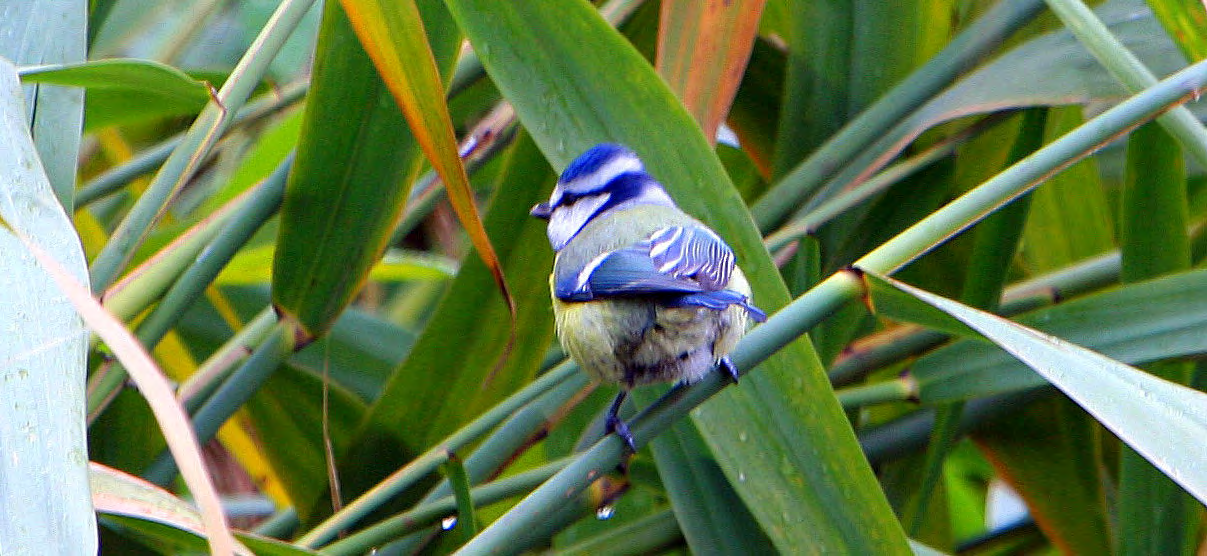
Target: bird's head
[606, 177]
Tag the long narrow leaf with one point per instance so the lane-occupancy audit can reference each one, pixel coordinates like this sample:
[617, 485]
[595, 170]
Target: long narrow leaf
[1161, 420]
[703, 47]
[42, 356]
[155, 388]
[356, 159]
[1154, 242]
[38, 33]
[128, 89]
[393, 35]
[1150, 321]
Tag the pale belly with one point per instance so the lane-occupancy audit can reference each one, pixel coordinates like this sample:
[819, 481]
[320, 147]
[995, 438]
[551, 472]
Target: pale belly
[635, 342]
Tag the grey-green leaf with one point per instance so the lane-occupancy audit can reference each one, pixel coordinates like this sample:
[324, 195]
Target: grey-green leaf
[1149, 321]
[43, 472]
[1163, 421]
[50, 32]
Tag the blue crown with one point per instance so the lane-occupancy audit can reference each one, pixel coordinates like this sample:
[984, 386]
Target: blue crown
[594, 159]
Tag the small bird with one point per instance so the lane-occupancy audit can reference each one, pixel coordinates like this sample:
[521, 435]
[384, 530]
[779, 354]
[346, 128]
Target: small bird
[642, 292]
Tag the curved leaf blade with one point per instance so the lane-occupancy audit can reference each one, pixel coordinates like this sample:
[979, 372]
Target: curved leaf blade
[356, 160]
[703, 48]
[148, 512]
[1157, 418]
[395, 39]
[42, 356]
[1158, 319]
[125, 90]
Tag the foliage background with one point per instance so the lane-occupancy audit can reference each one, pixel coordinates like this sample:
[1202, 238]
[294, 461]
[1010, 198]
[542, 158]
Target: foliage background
[315, 218]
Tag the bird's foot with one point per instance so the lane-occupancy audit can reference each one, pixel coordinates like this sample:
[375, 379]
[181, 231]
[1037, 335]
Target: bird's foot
[616, 425]
[729, 369]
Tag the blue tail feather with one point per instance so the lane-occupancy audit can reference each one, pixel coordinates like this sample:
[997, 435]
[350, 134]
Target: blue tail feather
[720, 300]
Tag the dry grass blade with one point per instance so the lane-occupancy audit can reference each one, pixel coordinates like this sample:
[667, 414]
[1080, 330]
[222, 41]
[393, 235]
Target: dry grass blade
[155, 388]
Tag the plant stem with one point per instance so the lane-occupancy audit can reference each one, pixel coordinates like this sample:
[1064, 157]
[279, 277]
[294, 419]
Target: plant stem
[964, 51]
[429, 461]
[184, 161]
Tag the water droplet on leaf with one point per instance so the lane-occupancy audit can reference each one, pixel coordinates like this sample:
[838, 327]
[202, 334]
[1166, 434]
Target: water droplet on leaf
[605, 512]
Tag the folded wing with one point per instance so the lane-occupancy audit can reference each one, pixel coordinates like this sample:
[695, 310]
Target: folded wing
[682, 265]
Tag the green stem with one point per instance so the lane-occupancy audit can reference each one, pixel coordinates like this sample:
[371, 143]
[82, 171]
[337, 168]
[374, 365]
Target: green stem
[234, 392]
[112, 180]
[209, 376]
[429, 513]
[503, 446]
[963, 52]
[263, 203]
[912, 432]
[429, 461]
[890, 347]
[828, 210]
[896, 390]
[236, 231]
[1130, 72]
[184, 161]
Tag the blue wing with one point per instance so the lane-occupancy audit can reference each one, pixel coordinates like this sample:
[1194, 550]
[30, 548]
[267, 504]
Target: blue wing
[684, 265]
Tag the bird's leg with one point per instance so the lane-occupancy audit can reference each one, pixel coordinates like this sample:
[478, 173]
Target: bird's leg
[728, 368]
[614, 424]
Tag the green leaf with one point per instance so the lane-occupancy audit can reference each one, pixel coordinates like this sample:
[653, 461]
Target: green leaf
[39, 33]
[545, 58]
[1130, 72]
[473, 312]
[853, 141]
[702, 52]
[1155, 216]
[356, 159]
[42, 378]
[1048, 453]
[710, 514]
[756, 109]
[1062, 71]
[467, 518]
[1154, 241]
[1153, 320]
[817, 87]
[285, 415]
[1157, 418]
[1185, 22]
[1069, 219]
[892, 303]
[122, 91]
[145, 512]
[393, 35]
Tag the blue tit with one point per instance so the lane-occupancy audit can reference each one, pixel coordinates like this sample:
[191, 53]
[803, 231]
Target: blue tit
[642, 292]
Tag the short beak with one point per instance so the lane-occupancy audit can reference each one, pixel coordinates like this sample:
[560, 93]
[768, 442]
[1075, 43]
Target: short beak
[542, 210]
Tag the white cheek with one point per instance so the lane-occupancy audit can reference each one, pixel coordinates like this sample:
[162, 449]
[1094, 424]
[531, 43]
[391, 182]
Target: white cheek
[565, 222]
